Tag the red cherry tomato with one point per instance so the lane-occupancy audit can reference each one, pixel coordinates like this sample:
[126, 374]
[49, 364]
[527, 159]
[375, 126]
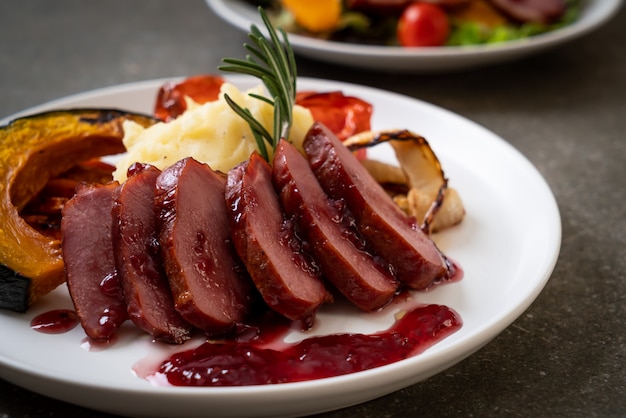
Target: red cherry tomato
[170, 102]
[423, 24]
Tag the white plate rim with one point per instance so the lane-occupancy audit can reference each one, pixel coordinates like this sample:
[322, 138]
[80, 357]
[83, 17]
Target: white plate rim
[398, 59]
[391, 377]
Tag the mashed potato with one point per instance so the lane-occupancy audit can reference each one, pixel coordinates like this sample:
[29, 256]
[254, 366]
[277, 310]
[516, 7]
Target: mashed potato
[211, 133]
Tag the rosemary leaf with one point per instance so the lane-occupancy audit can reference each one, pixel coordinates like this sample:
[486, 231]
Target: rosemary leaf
[258, 130]
[278, 124]
[272, 61]
[244, 67]
[262, 98]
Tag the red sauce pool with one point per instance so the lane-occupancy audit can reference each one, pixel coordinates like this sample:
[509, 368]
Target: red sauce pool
[55, 322]
[251, 362]
[257, 354]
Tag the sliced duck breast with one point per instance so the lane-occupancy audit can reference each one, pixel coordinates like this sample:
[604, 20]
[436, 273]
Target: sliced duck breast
[392, 234]
[147, 293]
[267, 243]
[88, 254]
[211, 288]
[334, 243]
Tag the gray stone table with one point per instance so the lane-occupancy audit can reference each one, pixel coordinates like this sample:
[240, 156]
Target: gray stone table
[565, 110]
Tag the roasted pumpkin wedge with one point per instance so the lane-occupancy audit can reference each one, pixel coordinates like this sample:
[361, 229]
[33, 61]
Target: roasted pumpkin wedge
[33, 150]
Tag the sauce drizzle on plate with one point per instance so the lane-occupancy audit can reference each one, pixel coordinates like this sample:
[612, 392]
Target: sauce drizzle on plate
[252, 362]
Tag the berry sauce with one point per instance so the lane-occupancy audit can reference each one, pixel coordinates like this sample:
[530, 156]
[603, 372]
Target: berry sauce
[256, 353]
[55, 322]
[251, 361]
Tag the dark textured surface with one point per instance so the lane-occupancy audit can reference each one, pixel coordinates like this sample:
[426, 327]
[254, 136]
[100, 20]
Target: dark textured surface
[565, 110]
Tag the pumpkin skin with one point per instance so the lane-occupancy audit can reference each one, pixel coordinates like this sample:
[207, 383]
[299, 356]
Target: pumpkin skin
[34, 149]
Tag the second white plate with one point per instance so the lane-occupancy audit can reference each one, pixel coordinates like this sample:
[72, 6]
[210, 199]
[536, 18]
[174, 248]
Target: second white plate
[594, 13]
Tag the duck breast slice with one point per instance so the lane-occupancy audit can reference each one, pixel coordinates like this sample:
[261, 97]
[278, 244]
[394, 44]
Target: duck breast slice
[211, 288]
[87, 248]
[147, 293]
[335, 244]
[268, 245]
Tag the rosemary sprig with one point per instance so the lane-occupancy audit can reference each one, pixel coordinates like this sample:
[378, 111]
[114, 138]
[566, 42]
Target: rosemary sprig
[273, 62]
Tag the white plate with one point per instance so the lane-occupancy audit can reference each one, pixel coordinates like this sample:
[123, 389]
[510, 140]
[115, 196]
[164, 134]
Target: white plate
[508, 245]
[397, 59]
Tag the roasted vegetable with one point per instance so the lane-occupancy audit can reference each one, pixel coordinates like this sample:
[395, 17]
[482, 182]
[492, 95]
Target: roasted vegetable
[33, 150]
[318, 16]
[422, 184]
[171, 101]
[43, 212]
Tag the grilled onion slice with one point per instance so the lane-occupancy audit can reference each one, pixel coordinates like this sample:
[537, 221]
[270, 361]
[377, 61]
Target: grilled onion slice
[419, 186]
